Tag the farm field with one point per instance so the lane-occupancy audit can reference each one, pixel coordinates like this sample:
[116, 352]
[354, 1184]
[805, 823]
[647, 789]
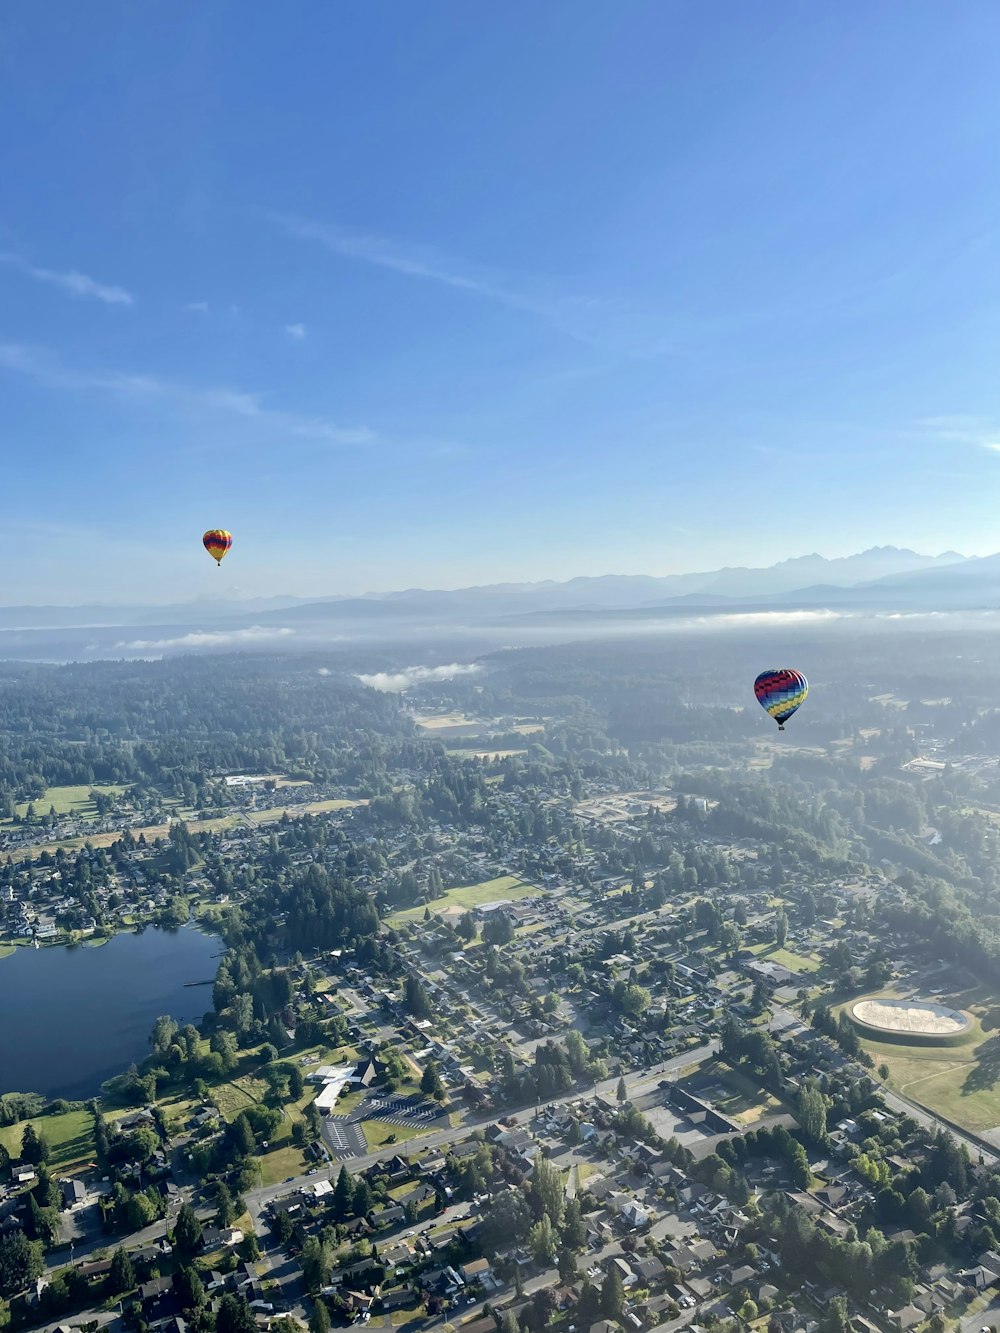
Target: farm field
[471, 895]
[70, 1137]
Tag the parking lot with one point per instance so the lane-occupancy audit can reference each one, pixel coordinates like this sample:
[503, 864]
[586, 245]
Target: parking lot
[412, 1111]
[344, 1137]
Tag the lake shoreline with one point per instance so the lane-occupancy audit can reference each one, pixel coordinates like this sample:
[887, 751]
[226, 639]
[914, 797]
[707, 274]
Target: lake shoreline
[86, 1014]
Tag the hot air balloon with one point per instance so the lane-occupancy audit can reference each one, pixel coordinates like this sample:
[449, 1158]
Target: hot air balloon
[781, 691]
[217, 542]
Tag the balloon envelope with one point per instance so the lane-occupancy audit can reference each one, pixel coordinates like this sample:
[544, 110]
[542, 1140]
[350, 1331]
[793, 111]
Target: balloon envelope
[781, 691]
[217, 542]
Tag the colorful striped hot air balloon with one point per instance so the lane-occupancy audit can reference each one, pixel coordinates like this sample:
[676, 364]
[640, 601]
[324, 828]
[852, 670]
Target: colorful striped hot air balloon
[217, 542]
[781, 691]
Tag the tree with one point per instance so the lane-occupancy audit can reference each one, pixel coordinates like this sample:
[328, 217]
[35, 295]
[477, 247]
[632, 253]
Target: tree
[163, 1034]
[883, 1071]
[612, 1293]
[574, 1235]
[34, 1148]
[430, 1080]
[547, 1191]
[319, 1320]
[315, 1261]
[542, 1240]
[466, 927]
[343, 1195]
[235, 1315]
[187, 1232]
[621, 1092]
[415, 997]
[241, 1136]
[780, 928]
[837, 1319]
[225, 1212]
[122, 1275]
[812, 1112]
[190, 1289]
[20, 1262]
[568, 1270]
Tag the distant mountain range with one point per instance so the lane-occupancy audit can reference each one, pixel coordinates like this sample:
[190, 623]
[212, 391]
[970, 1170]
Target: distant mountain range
[884, 578]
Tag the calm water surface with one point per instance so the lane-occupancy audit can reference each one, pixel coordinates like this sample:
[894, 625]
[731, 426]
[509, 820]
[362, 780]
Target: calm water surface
[72, 1017]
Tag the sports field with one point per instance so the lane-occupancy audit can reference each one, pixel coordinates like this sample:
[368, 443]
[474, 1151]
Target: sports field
[471, 895]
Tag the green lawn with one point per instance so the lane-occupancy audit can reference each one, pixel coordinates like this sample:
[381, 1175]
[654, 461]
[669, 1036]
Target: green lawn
[379, 1132]
[795, 962]
[960, 1082]
[70, 1138]
[69, 800]
[295, 811]
[283, 1162]
[471, 895]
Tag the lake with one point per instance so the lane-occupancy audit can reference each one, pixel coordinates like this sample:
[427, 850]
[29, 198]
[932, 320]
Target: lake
[71, 1017]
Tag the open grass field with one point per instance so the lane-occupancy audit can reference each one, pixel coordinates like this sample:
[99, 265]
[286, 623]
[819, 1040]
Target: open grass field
[795, 962]
[279, 1164]
[154, 831]
[960, 1084]
[379, 1132]
[151, 832]
[486, 754]
[70, 1138]
[471, 895]
[69, 800]
[959, 1078]
[445, 722]
[232, 1098]
[312, 808]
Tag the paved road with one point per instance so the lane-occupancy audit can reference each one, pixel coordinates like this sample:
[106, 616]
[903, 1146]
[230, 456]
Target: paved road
[784, 1018]
[637, 1084]
[987, 1318]
[155, 1231]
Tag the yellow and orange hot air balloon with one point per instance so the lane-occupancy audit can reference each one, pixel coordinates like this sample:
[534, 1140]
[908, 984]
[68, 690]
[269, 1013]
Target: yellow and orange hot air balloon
[217, 542]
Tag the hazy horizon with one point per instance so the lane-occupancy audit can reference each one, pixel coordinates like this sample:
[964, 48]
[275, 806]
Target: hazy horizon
[692, 298]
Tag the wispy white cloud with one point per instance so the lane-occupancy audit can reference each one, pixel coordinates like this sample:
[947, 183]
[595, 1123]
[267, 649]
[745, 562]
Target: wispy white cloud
[45, 369]
[297, 332]
[72, 282]
[959, 428]
[397, 682]
[197, 307]
[255, 634]
[598, 322]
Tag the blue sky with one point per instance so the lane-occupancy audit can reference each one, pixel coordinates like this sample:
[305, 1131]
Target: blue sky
[436, 294]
